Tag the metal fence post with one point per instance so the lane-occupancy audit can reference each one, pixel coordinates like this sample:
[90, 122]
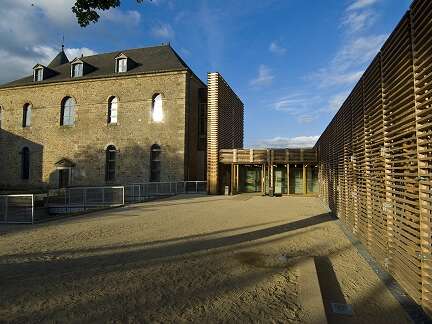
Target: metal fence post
[85, 198]
[123, 195]
[6, 208]
[32, 209]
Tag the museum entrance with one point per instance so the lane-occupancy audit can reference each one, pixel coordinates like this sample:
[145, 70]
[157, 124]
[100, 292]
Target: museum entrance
[250, 178]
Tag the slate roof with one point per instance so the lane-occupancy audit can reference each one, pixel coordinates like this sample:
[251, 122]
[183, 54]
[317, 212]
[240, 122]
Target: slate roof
[60, 59]
[154, 59]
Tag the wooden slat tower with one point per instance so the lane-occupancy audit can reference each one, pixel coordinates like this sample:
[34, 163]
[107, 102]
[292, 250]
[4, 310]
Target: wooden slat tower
[225, 125]
[421, 36]
[383, 170]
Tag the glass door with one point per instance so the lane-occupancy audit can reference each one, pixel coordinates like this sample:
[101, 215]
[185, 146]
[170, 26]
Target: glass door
[296, 180]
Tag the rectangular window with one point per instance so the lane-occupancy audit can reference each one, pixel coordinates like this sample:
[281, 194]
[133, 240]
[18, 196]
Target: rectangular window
[110, 165]
[64, 175]
[38, 74]
[26, 122]
[202, 126]
[77, 70]
[68, 118]
[122, 65]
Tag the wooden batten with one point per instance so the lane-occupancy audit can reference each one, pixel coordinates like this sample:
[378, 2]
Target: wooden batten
[375, 156]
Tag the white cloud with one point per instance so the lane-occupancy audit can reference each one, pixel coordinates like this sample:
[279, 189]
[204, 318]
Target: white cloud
[275, 48]
[76, 52]
[163, 31]
[288, 142]
[130, 17]
[306, 119]
[346, 67]
[264, 78]
[57, 11]
[361, 4]
[335, 102]
[358, 21]
[295, 103]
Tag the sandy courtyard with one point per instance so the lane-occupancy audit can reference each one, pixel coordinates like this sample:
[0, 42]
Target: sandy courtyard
[196, 259]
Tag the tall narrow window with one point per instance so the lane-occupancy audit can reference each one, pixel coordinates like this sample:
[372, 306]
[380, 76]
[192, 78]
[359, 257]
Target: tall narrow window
[1, 116]
[112, 110]
[25, 163]
[157, 109]
[77, 70]
[110, 163]
[155, 163]
[67, 112]
[26, 120]
[122, 65]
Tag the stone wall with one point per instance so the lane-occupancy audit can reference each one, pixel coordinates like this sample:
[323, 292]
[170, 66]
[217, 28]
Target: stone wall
[85, 142]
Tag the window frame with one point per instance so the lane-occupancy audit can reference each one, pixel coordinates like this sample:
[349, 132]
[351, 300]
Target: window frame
[27, 114]
[155, 163]
[110, 163]
[38, 74]
[73, 71]
[125, 65]
[70, 116]
[160, 118]
[113, 103]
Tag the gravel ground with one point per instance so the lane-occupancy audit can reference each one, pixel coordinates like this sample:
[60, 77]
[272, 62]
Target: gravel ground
[186, 259]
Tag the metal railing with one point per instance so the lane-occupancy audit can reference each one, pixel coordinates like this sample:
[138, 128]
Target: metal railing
[17, 209]
[82, 199]
[28, 208]
[143, 191]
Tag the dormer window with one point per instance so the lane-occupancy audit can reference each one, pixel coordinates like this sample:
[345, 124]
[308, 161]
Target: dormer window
[122, 65]
[77, 70]
[38, 74]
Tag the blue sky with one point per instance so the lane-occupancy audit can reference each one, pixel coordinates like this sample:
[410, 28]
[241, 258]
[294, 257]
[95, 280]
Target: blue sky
[291, 62]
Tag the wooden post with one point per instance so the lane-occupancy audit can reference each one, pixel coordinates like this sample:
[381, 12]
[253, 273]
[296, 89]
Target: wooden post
[271, 170]
[232, 179]
[237, 178]
[288, 179]
[304, 179]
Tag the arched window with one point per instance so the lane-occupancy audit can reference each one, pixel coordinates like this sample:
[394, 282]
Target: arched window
[67, 112]
[110, 163]
[157, 109]
[112, 110]
[25, 163]
[27, 110]
[155, 163]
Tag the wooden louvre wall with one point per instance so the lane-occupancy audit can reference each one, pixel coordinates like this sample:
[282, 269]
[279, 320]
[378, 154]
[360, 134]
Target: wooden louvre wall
[225, 125]
[375, 157]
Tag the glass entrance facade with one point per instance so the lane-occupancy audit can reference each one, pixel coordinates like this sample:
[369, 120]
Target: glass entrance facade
[296, 179]
[250, 178]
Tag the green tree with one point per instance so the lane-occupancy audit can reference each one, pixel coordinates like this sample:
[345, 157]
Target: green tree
[86, 10]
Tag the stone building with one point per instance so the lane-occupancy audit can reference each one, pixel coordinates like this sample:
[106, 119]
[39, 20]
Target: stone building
[124, 117]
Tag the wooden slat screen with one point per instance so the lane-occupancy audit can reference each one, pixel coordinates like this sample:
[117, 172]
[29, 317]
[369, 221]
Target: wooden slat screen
[379, 180]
